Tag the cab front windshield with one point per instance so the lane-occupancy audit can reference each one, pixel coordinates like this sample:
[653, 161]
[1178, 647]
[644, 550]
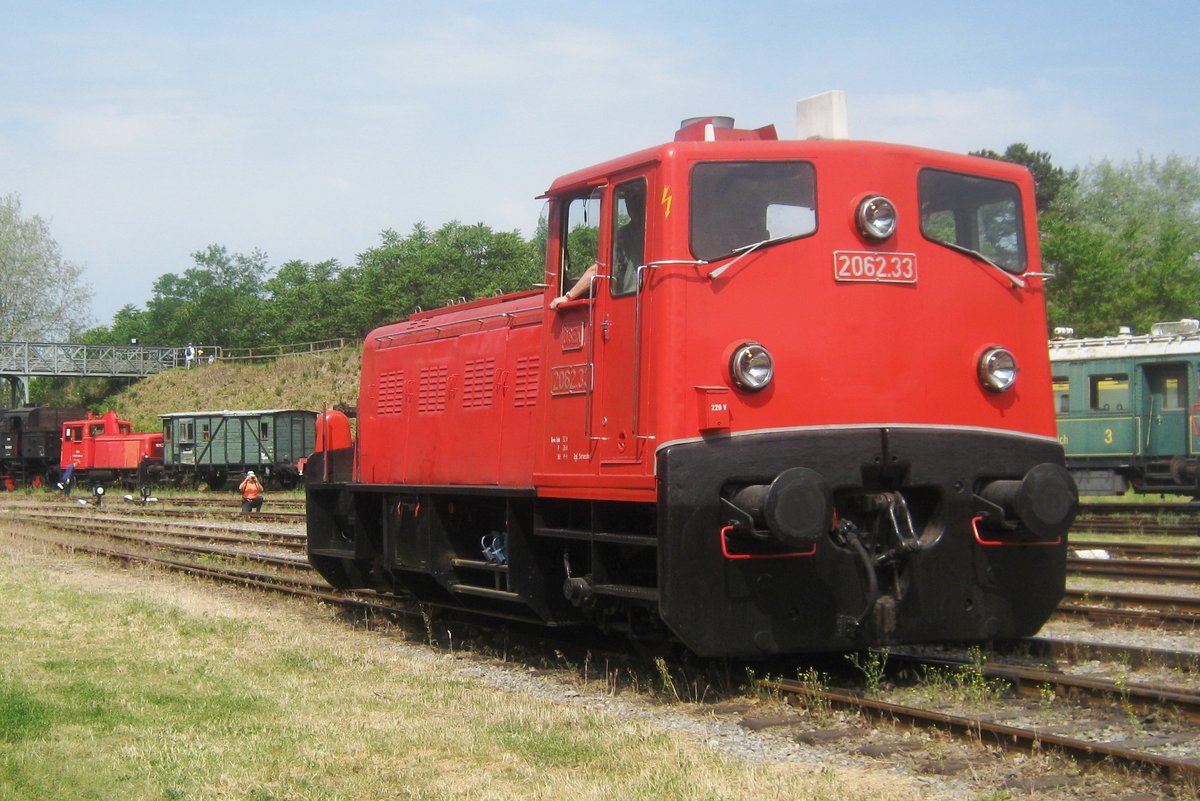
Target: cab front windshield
[735, 204]
[980, 215]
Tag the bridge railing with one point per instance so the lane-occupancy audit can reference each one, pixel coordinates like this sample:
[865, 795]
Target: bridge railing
[278, 351]
[49, 358]
[56, 358]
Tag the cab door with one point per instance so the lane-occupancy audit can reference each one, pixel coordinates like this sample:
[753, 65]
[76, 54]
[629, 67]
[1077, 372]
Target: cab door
[618, 317]
[574, 254]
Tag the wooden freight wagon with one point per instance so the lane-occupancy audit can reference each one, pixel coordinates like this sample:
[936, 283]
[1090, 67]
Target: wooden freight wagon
[213, 447]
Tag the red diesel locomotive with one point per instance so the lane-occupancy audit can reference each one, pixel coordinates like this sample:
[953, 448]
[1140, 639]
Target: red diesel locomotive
[800, 401]
[106, 449]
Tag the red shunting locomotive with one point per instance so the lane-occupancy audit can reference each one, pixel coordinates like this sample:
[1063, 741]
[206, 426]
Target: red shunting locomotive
[796, 398]
[105, 449]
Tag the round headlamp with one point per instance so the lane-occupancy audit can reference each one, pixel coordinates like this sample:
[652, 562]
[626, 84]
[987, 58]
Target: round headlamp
[751, 367]
[876, 218]
[98, 490]
[998, 369]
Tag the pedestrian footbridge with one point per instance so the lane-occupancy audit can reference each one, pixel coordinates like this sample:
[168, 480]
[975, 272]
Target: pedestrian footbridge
[21, 361]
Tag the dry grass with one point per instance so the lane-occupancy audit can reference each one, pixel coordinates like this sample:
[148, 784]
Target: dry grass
[133, 685]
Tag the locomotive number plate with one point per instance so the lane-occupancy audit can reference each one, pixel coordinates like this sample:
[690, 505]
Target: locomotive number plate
[887, 268]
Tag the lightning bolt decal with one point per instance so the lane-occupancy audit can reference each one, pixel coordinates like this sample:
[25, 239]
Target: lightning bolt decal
[666, 201]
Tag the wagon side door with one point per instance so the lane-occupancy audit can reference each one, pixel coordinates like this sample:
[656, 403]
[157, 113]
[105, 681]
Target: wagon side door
[1165, 416]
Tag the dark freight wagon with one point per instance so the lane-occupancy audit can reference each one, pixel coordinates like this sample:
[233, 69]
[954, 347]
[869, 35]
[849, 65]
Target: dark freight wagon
[212, 447]
[30, 444]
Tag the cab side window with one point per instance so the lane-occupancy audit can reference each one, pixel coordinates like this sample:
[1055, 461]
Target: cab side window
[629, 241]
[580, 239]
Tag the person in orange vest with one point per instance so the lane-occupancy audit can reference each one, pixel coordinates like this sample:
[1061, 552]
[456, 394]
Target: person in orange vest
[252, 489]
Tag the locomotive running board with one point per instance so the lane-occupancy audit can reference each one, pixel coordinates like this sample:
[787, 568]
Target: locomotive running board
[643, 540]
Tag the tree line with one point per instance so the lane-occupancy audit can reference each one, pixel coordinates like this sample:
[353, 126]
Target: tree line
[235, 300]
[1122, 240]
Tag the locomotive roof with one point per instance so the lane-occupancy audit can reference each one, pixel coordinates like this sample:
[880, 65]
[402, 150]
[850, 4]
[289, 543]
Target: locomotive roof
[501, 309]
[749, 148]
[236, 413]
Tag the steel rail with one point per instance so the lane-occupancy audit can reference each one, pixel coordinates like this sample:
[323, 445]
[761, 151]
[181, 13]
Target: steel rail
[1100, 525]
[977, 728]
[285, 539]
[316, 590]
[103, 529]
[1030, 681]
[1188, 608]
[1151, 569]
[1156, 549]
[1053, 649]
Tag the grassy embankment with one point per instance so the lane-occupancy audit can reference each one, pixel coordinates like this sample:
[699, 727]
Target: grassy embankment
[293, 382]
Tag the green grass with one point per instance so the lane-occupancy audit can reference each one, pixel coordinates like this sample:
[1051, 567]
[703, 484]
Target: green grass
[128, 685]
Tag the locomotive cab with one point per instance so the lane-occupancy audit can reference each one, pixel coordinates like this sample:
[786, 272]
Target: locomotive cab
[776, 396]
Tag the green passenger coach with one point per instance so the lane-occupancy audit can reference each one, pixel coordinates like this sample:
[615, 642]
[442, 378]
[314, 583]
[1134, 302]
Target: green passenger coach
[212, 447]
[1127, 409]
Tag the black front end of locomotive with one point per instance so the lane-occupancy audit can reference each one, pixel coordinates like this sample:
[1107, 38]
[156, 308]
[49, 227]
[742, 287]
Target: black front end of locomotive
[836, 539]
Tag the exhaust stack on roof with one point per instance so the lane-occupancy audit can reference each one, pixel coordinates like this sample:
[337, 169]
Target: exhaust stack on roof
[823, 116]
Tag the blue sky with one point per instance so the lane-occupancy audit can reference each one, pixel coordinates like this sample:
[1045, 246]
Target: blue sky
[145, 131]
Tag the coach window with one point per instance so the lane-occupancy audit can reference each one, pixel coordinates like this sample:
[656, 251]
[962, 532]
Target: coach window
[1062, 394]
[736, 204]
[1174, 393]
[264, 430]
[204, 431]
[1110, 393]
[189, 432]
[982, 215]
[580, 240]
[629, 243]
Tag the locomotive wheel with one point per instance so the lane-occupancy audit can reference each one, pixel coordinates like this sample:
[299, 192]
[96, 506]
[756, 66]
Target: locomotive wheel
[38, 481]
[9, 483]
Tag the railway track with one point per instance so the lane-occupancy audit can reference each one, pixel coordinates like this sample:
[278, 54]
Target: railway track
[269, 557]
[1147, 569]
[1099, 525]
[984, 727]
[1172, 520]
